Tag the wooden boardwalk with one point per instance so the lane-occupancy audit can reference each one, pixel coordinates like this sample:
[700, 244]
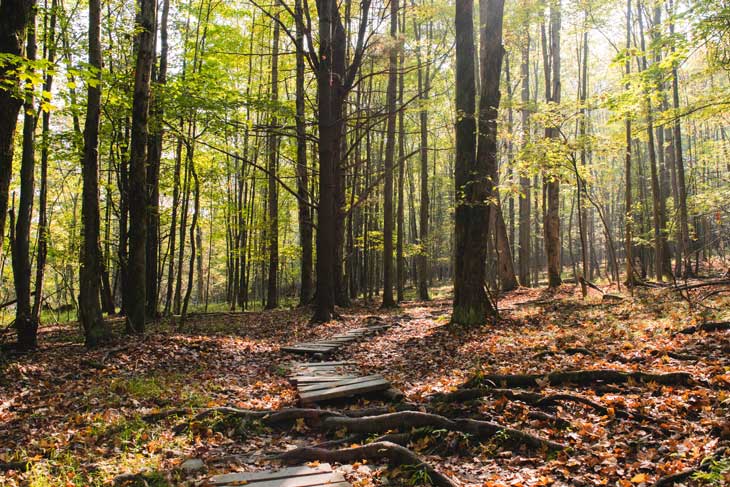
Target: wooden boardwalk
[330, 345]
[323, 381]
[321, 475]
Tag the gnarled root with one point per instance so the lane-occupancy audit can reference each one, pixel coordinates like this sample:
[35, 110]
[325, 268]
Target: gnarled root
[395, 454]
[580, 377]
[416, 419]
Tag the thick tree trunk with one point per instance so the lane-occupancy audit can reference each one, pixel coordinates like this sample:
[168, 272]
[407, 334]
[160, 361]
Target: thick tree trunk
[95, 330]
[331, 100]
[25, 322]
[471, 303]
[14, 15]
[136, 280]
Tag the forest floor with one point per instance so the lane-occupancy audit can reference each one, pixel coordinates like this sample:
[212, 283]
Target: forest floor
[69, 416]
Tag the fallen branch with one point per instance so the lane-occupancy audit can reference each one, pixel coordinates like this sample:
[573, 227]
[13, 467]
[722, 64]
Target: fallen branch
[713, 326]
[688, 287]
[580, 377]
[396, 455]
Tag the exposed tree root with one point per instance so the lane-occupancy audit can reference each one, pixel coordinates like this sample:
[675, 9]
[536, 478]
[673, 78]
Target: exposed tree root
[416, 419]
[160, 415]
[396, 455]
[580, 377]
[17, 466]
[714, 326]
[566, 351]
[543, 416]
[538, 400]
[333, 420]
[686, 474]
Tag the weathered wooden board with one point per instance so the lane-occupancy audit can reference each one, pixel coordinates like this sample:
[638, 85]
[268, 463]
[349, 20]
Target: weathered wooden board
[343, 382]
[344, 391]
[315, 475]
[317, 379]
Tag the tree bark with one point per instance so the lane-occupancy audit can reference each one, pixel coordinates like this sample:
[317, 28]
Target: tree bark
[14, 15]
[524, 204]
[391, 95]
[25, 322]
[305, 214]
[272, 295]
[552, 182]
[95, 330]
[136, 279]
[471, 303]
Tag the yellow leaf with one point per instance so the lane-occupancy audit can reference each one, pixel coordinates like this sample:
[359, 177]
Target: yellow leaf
[639, 478]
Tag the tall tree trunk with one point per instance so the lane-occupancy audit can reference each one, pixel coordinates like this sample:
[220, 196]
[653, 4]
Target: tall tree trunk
[657, 199]
[471, 303]
[14, 15]
[136, 280]
[424, 85]
[95, 331]
[391, 96]
[42, 246]
[153, 171]
[583, 122]
[552, 183]
[305, 213]
[334, 80]
[686, 267]
[400, 260]
[524, 205]
[628, 231]
[25, 322]
[272, 296]
[330, 104]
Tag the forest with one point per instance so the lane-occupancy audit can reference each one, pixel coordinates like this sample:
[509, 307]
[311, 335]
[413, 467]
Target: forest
[364, 242]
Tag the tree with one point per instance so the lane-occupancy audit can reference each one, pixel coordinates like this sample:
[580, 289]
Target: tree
[14, 16]
[95, 330]
[552, 181]
[25, 322]
[391, 95]
[424, 87]
[471, 219]
[136, 280]
[334, 80]
[524, 204]
[272, 297]
[305, 212]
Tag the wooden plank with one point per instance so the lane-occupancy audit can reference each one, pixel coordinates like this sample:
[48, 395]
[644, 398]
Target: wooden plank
[322, 364]
[343, 382]
[310, 348]
[268, 475]
[344, 391]
[298, 481]
[311, 344]
[309, 379]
